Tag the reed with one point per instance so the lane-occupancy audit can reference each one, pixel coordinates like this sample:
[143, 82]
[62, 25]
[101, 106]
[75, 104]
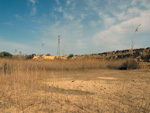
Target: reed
[23, 88]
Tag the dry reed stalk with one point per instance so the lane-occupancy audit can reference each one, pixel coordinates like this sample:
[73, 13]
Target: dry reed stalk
[26, 75]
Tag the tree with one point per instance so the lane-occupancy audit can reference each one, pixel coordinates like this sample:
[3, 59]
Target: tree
[5, 55]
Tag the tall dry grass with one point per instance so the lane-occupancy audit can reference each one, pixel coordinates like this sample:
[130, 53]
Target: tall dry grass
[9, 66]
[12, 65]
[22, 88]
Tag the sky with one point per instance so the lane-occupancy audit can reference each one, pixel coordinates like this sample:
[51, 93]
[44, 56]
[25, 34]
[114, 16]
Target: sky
[84, 26]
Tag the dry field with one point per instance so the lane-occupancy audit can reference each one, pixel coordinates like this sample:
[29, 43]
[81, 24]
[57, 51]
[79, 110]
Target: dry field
[72, 87]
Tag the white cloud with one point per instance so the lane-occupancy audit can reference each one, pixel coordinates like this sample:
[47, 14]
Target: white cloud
[68, 2]
[60, 9]
[118, 23]
[57, 1]
[54, 15]
[134, 11]
[122, 16]
[83, 15]
[81, 44]
[18, 16]
[146, 3]
[67, 16]
[32, 1]
[11, 46]
[134, 2]
[108, 21]
[95, 23]
[128, 13]
[33, 10]
[120, 35]
[71, 36]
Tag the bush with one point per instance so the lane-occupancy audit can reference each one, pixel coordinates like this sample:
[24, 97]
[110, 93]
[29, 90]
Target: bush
[5, 55]
[48, 54]
[129, 64]
[70, 56]
[30, 56]
[146, 58]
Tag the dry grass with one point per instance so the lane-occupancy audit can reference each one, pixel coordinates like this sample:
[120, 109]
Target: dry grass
[28, 86]
[27, 65]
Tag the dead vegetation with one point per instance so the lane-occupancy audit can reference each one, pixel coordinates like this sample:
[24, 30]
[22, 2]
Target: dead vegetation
[29, 86]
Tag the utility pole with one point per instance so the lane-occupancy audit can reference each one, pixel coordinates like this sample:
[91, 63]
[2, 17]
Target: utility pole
[58, 48]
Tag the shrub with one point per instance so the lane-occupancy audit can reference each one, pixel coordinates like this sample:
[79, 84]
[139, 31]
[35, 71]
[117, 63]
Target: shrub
[70, 56]
[129, 64]
[30, 56]
[5, 55]
[146, 58]
[48, 54]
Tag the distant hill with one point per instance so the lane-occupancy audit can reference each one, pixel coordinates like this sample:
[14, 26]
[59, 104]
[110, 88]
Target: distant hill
[141, 54]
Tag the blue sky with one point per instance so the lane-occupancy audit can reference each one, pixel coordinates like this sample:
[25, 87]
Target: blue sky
[85, 26]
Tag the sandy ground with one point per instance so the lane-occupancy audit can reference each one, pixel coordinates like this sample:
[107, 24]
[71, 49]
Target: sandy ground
[89, 91]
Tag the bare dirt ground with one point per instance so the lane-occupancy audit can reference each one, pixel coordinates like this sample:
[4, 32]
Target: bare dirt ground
[88, 91]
